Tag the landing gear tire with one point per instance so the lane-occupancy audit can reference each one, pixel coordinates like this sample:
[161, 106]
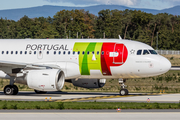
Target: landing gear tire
[40, 92]
[123, 92]
[11, 90]
[16, 90]
[8, 90]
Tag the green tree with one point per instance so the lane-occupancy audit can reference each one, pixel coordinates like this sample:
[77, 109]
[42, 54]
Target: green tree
[24, 28]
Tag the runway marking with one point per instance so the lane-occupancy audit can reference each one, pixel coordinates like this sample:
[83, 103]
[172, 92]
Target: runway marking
[103, 97]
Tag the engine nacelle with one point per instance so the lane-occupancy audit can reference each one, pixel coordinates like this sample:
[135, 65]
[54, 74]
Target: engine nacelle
[45, 80]
[89, 83]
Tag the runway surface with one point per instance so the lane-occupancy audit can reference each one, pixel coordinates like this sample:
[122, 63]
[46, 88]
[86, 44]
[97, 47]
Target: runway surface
[90, 115]
[95, 111]
[85, 96]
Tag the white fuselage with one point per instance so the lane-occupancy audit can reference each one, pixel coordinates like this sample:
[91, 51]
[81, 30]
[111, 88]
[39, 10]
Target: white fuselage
[59, 53]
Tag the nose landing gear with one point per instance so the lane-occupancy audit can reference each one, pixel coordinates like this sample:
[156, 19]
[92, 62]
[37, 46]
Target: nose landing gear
[123, 91]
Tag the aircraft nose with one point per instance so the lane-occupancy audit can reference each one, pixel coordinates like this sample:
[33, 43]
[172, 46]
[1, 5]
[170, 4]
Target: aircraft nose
[165, 64]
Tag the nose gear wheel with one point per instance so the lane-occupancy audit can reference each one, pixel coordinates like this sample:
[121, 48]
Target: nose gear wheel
[123, 92]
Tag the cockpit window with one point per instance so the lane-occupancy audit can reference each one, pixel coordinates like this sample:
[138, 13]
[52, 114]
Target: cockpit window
[145, 52]
[139, 52]
[153, 52]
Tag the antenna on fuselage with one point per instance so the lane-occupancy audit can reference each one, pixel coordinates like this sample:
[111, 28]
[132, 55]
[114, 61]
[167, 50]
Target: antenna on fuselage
[120, 37]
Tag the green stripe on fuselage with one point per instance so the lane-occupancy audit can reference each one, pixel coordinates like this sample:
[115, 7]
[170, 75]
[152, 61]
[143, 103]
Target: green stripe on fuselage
[85, 61]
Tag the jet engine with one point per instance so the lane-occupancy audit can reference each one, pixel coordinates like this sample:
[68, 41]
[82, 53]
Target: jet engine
[89, 83]
[44, 80]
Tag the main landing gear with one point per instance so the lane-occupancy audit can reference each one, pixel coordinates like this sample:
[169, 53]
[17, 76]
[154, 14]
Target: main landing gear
[123, 91]
[11, 89]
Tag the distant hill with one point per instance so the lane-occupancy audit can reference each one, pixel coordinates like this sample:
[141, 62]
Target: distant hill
[47, 10]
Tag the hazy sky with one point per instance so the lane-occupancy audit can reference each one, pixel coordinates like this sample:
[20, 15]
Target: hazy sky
[150, 4]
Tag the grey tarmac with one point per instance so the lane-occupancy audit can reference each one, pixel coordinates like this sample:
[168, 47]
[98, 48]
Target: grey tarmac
[89, 115]
[94, 111]
[133, 97]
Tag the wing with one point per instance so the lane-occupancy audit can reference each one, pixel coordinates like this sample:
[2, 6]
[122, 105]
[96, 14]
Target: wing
[11, 68]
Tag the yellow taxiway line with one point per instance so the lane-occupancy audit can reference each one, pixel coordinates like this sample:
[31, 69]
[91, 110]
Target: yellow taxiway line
[104, 97]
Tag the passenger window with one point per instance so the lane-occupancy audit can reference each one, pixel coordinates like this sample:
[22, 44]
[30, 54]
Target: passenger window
[54, 52]
[59, 52]
[78, 52]
[83, 52]
[7, 52]
[48, 52]
[145, 52]
[139, 52]
[97, 52]
[35, 52]
[64, 52]
[74, 52]
[21, 52]
[16, 52]
[11, 52]
[93, 52]
[88, 52]
[2, 52]
[69, 52]
[25, 52]
[102, 52]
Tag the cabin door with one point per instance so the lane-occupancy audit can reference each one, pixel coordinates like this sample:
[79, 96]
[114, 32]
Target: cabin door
[118, 54]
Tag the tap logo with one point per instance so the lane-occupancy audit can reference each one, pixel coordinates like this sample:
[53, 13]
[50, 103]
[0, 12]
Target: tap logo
[100, 56]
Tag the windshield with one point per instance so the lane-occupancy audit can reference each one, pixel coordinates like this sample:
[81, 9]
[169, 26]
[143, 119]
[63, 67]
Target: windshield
[145, 52]
[139, 52]
[153, 52]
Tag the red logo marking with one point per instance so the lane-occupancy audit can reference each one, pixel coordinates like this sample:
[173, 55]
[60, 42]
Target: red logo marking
[119, 58]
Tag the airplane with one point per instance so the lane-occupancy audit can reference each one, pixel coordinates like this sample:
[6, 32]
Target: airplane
[46, 64]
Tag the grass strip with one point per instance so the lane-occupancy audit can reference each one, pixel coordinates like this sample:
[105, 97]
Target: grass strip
[84, 105]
